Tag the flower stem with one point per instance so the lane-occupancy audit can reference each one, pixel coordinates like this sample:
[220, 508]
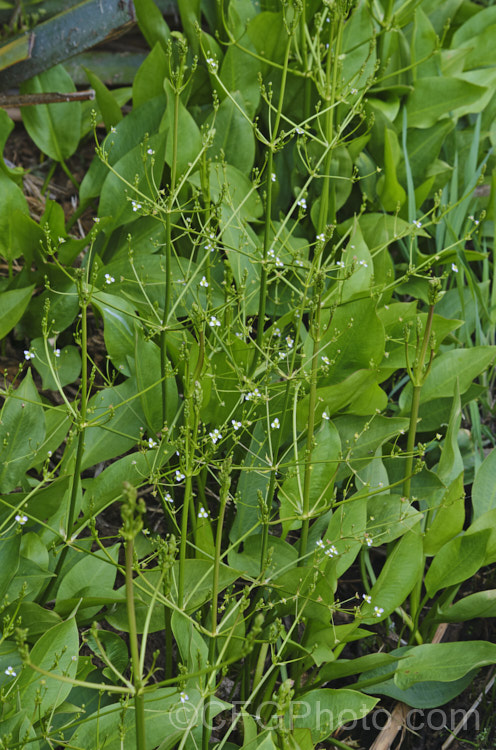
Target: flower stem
[81, 428]
[418, 376]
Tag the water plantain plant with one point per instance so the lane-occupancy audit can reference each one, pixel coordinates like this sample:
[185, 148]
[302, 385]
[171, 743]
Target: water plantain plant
[291, 264]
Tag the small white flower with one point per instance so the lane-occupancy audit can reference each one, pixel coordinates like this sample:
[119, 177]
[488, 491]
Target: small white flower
[74, 657]
[10, 672]
[276, 332]
[209, 247]
[299, 131]
[417, 223]
[279, 263]
[326, 360]
[109, 279]
[378, 611]
[340, 263]
[21, 519]
[152, 443]
[275, 424]
[282, 355]
[271, 253]
[112, 129]
[136, 206]
[212, 64]
[289, 342]
[331, 551]
[61, 240]
[302, 203]
[369, 541]
[273, 177]
[252, 394]
[150, 152]
[183, 697]
[353, 91]
[179, 476]
[49, 454]
[96, 219]
[202, 513]
[215, 436]
[320, 544]
[325, 415]
[168, 498]
[321, 237]
[299, 263]
[362, 263]
[236, 425]
[367, 598]
[454, 268]
[204, 282]
[213, 321]
[56, 352]
[28, 354]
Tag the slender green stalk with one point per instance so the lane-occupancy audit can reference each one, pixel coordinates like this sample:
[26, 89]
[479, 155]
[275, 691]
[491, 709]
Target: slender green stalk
[268, 211]
[168, 642]
[168, 554]
[332, 69]
[224, 496]
[225, 483]
[266, 247]
[304, 57]
[191, 415]
[168, 271]
[319, 285]
[165, 316]
[139, 701]
[131, 526]
[264, 512]
[417, 375]
[81, 427]
[48, 177]
[168, 245]
[69, 174]
[259, 669]
[332, 82]
[184, 536]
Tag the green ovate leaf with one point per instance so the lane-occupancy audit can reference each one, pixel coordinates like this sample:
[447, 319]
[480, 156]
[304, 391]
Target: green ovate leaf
[22, 430]
[443, 662]
[480, 604]
[456, 561]
[55, 128]
[111, 112]
[340, 706]
[57, 652]
[401, 571]
[484, 487]
[12, 306]
[12, 206]
[458, 364]
[437, 97]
